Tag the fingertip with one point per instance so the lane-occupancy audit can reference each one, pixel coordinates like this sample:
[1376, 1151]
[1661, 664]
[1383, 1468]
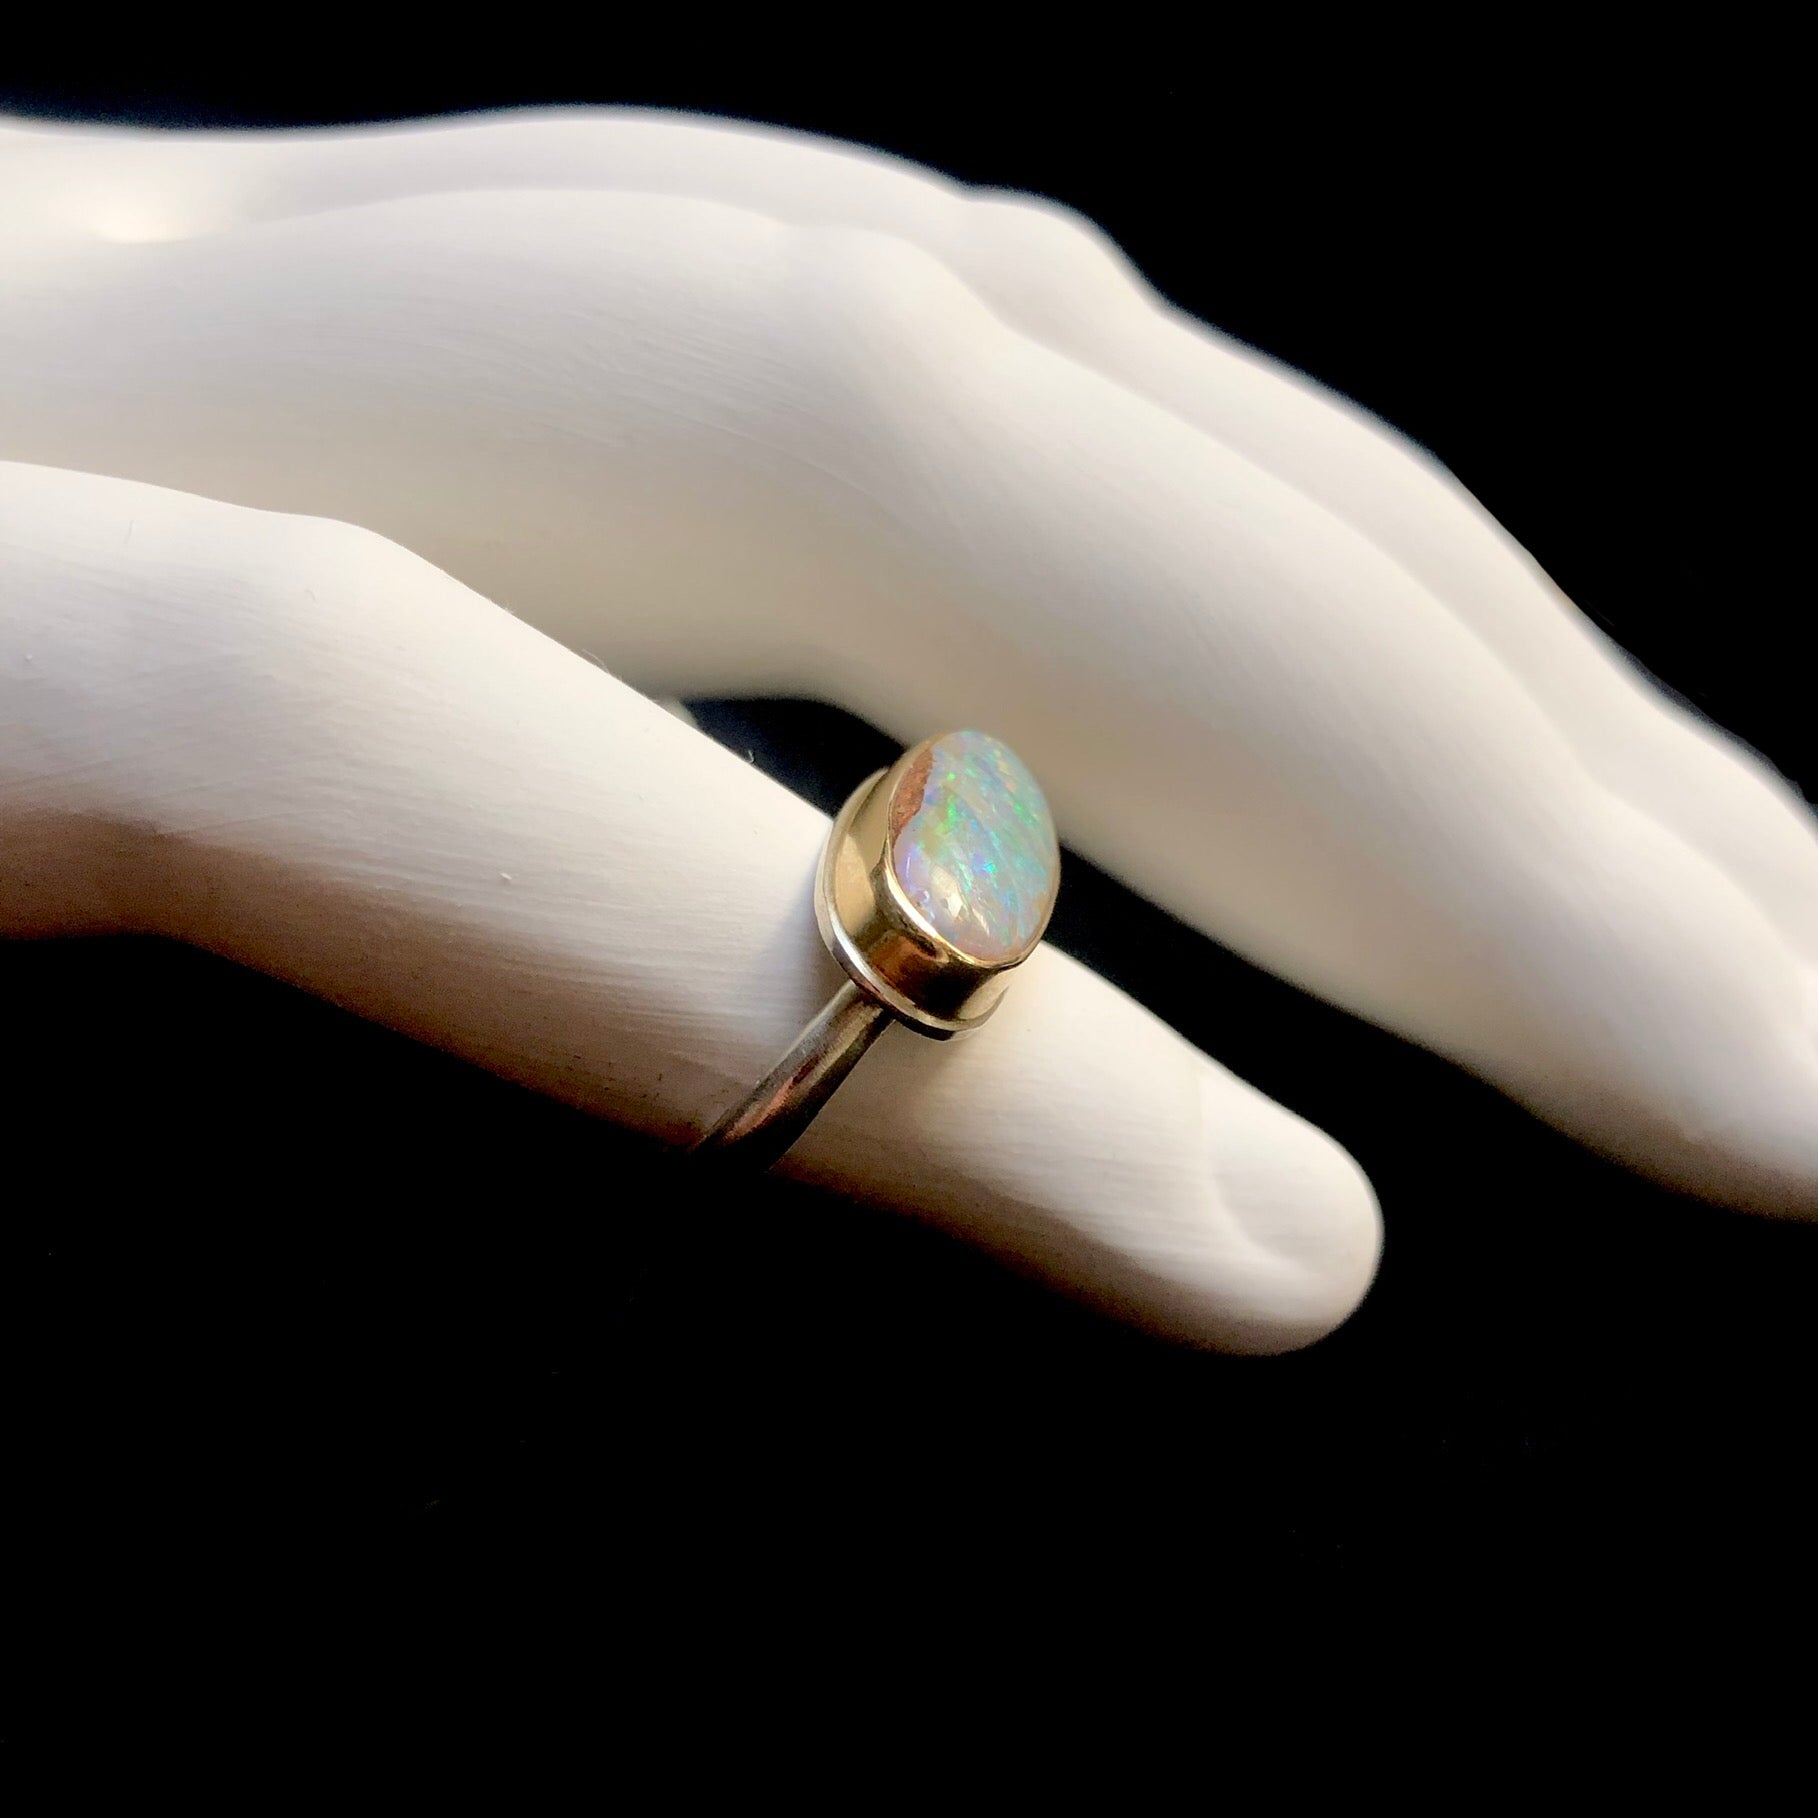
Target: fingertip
[1310, 1225]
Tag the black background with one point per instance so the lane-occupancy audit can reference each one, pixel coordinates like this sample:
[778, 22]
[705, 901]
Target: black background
[287, 1293]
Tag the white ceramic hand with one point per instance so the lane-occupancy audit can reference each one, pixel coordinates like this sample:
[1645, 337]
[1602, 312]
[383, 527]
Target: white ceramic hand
[741, 412]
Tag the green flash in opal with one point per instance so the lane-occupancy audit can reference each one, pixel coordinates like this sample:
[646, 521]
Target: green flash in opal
[974, 848]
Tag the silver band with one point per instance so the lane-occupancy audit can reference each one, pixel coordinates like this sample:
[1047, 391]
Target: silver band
[757, 1130]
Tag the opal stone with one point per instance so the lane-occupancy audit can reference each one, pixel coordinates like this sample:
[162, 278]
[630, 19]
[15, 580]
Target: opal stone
[973, 846]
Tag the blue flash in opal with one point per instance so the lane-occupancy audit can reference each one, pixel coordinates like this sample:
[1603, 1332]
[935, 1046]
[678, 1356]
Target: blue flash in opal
[977, 855]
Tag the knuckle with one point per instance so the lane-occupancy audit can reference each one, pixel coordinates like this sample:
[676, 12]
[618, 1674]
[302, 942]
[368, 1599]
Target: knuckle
[1046, 248]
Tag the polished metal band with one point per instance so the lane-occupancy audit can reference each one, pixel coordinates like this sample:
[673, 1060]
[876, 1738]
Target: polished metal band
[757, 1130]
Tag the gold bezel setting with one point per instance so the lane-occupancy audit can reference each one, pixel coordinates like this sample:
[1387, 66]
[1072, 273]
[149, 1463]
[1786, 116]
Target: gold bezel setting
[880, 938]
[953, 843]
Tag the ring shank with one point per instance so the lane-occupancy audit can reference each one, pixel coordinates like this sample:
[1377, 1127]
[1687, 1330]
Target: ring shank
[767, 1121]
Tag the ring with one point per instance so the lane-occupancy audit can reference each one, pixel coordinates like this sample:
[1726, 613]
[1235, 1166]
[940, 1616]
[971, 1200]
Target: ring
[936, 881]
